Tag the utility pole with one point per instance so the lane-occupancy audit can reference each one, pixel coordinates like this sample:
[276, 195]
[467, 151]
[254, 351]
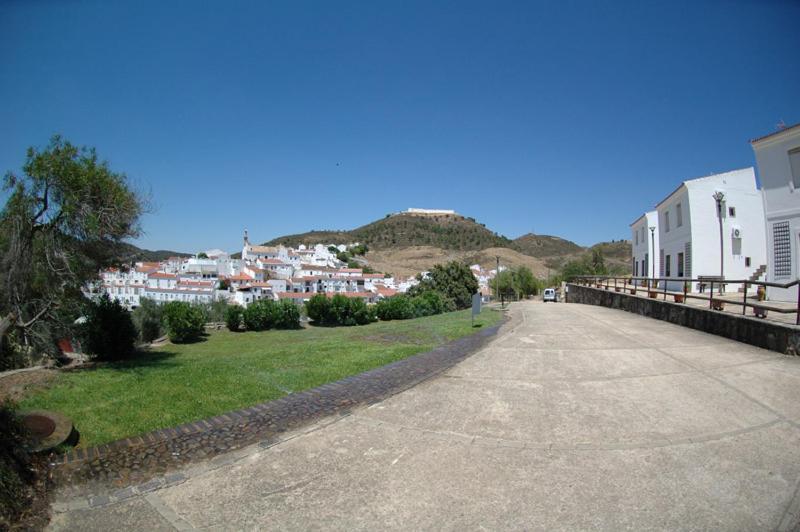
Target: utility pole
[497, 282]
[719, 197]
[653, 251]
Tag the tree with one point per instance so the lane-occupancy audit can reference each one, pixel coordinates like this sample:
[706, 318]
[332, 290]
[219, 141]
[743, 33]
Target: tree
[503, 284]
[202, 255]
[453, 280]
[148, 320]
[108, 332]
[525, 283]
[65, 218]
[184, 322]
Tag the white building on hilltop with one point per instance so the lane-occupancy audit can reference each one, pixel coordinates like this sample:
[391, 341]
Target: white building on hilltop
[689, 243]
[778, 159]
[643, 243]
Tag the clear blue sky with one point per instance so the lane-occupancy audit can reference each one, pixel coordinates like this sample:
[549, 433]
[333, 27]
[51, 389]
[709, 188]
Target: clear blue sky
[559, 117]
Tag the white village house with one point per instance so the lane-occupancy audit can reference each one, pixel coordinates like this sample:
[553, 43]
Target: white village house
[778, 160]
[689, 243]
[643, 242]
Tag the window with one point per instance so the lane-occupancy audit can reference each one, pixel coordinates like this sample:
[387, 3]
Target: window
[680, 264]
[636, 267]
[666, 222]
[667, 262]
[732, 212]
[661, 263]
[678, 215]
[747, 262]
[637, 237]
[794, 162]
[782, 250]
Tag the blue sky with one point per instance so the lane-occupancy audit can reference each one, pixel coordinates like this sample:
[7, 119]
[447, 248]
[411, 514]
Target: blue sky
[561, 117]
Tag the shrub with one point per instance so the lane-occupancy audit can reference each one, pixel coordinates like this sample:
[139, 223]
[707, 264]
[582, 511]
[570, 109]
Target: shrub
[108, 332]
[16, 472]
[318, 309]
[261, 315]
[430, 303]
[233, 318]
[361, 313]
[339, 310]
[288, 315]
[216, 310]
[147, 318]
[184, 322]
[454, 280]
[397, 307]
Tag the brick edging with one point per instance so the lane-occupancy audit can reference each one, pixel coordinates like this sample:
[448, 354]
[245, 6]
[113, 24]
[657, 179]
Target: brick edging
[146, 455]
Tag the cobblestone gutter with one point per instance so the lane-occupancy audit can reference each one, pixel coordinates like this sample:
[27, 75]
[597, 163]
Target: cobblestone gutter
[140, 458]
[768, 335]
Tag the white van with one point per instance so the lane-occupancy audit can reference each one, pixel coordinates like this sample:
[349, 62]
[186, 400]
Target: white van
[549, 295]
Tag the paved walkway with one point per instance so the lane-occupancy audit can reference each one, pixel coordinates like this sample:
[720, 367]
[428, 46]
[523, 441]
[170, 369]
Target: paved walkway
[575, 417]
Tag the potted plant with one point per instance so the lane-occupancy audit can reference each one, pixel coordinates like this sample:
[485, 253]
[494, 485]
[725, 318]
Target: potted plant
[678, 297]
[717, 304]
[633, 291]
[759, 311]
[651, 293]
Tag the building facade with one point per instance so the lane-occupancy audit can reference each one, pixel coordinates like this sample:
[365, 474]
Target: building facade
[778, 160]
[643, 243]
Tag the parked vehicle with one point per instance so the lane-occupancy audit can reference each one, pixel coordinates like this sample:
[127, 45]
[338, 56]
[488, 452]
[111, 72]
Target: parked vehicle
[549, 294]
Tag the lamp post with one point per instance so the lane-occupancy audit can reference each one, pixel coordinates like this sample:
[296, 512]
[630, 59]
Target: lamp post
[653, 251]
[719, 197]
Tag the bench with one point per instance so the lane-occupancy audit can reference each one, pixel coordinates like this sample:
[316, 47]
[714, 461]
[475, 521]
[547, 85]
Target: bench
[703, 280]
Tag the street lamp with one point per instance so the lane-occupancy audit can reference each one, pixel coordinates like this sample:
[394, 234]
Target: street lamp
[719, 197]
[653, 251]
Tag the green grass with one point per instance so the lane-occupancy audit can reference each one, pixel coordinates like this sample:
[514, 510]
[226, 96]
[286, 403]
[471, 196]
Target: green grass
[227, 371]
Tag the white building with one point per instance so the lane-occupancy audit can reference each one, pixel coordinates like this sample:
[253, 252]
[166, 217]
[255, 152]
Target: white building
[643, 243]
[689, 230]
[778, 159]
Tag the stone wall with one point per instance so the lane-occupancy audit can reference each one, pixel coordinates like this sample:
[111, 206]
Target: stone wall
[761, 333]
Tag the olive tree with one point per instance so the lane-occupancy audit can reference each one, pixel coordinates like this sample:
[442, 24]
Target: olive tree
[65, 217]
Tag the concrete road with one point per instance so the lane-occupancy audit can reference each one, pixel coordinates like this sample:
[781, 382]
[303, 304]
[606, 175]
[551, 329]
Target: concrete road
[575, 417]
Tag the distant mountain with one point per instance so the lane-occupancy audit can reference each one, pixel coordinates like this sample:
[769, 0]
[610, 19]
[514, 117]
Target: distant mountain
[445, 231]
[408, 243]
[130, 253]
[545, 246]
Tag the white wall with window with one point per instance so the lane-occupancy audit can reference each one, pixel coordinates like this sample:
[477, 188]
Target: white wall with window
[778, 160]
[642, 244]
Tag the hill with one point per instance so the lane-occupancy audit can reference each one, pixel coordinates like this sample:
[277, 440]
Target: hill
[130, 253]
[414, 259]
[445, 231]
[407, 243]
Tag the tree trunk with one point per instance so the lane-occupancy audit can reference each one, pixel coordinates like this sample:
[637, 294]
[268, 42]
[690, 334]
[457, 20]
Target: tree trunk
[6, 324]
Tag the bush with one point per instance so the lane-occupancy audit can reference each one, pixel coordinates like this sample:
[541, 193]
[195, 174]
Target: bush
[361, 313]
[108, 332]
[454, 280]
[397, 307]
[261, 315]
[147, 318]
[233, 318]
[288, 315]
[216, 310]
[318, 309]
[339, 310]
[16, 472]
[430, 303]
[184, 322]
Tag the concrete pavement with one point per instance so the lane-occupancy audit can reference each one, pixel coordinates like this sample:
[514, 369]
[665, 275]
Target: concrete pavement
[575, 417]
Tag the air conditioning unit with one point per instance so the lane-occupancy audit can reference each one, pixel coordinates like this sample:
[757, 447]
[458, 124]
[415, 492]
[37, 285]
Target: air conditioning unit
[736, 231]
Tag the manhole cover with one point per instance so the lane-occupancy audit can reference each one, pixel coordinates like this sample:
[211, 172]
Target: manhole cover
[48, 429]
[39, 426]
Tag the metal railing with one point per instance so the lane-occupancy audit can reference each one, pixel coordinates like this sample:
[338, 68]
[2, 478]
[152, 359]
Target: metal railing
[657, 286]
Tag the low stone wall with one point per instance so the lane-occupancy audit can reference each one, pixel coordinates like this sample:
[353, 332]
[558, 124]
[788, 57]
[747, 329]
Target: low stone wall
[754, 331]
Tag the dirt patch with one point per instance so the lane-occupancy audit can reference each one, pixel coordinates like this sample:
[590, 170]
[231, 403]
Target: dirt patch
[18, 385]
[415, 259]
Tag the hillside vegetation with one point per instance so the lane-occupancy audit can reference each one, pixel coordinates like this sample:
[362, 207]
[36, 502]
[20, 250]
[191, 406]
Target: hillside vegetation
[405, 244]
[450, 232]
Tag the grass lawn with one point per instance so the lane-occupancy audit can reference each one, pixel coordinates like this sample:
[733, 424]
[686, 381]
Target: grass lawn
[227, 371]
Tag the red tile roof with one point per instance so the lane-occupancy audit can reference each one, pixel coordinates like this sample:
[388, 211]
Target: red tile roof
[162, 275]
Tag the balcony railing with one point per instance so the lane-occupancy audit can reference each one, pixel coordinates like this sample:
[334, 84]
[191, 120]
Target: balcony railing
[657, 287]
